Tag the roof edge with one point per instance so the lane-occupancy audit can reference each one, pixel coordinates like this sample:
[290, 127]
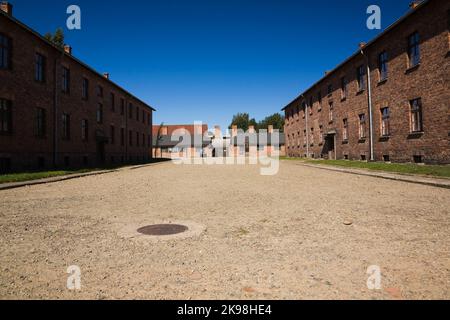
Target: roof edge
[358, 52]
[37, 34]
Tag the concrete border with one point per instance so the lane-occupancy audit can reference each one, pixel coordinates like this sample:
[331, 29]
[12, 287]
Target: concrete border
[426, 181]
[14, 185]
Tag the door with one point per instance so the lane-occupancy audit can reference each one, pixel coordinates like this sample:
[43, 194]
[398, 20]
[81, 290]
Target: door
[101, 152]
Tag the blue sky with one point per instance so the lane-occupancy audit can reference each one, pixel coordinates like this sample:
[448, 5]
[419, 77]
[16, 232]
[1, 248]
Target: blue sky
[209, 59]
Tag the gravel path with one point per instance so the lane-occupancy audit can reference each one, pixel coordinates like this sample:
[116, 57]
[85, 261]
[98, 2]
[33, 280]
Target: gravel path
[266, 237]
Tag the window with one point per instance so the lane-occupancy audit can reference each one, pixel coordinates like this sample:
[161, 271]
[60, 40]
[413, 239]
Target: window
[319, 99]
[5, 117]
[331, 116]
[416, 115]
[99, 113]
[65, 80]
[360, 76]
[382, 65]
[85, 89]
[137, 139]
[113, 102]
[344, 88]
[345, 131]
[122, 106]
[39, 72]
[137, 113]
[149, 118]
[143, 117]
[84, 130]
[5, 165]
[362, 126]
[149, 138]
[5, 52]
[122, 136]
[143, 139]
[100, 91]
[130, 138]
[113, 134]
[66, 126]
[414, 49]
[130, 111]
[41, 124]
[385, 126]
[320, 134]
[330, 89]
[311, 136]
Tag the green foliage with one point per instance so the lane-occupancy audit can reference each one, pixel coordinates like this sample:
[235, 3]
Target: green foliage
[243, 121]
[57, 38]
[276, 120]
[402, 168]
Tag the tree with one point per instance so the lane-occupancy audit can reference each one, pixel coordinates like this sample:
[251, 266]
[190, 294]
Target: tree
[276, 120]
[57, 38]
[243, 121]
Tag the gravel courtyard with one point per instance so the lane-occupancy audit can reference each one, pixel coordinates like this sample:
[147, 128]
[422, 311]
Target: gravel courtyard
[265, 237]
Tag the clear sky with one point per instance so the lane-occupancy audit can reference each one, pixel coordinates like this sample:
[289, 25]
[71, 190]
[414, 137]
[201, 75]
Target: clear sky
[209, 59]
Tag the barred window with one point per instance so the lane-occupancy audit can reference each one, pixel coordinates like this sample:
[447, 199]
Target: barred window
[99, 113]
[113, 102]
[362, 126]
[85, 89]
[361, 77]
[416, 115]
[414, 49]
[5, 116]
[39, 72]
[41, 122]
[84, 130]
[385, 122]
[5, 52]
[383, 66]
[66, 126]
[344, 88]
[65, 80]
[345, 131]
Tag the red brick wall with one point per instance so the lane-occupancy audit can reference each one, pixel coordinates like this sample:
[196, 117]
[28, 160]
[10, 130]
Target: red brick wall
[430, 82]
[23, 147]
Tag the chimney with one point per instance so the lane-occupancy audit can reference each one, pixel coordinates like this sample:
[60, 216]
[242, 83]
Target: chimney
[106, 75]
[270, 129]
[413, 5]
[327, 73]
[7, 8]
[362, 45]
[217, 132]
[68, 49]
[251, 129]
[234, 130]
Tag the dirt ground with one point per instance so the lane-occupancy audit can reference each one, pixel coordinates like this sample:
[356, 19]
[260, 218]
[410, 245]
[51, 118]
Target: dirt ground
[264, 237]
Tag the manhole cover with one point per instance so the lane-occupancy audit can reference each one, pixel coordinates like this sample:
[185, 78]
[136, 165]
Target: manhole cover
[162, 229]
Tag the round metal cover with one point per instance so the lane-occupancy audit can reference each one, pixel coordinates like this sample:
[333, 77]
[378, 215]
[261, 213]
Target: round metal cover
[162, 229]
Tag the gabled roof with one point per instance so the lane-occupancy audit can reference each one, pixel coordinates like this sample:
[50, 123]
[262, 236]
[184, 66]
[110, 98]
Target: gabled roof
[387, 30]
[36, 34]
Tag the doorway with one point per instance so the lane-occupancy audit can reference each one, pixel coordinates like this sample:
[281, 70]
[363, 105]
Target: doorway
[328, 151]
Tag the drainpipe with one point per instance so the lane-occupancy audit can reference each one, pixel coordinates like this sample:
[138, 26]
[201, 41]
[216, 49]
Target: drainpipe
[306, 124]
[369, 98]
[55, 110]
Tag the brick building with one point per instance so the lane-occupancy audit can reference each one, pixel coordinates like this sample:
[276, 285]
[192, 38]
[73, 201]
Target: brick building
[192, 140]
[390, 101]
[55, 111]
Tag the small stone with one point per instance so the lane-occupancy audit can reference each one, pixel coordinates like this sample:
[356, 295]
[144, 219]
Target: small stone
[348, 223]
